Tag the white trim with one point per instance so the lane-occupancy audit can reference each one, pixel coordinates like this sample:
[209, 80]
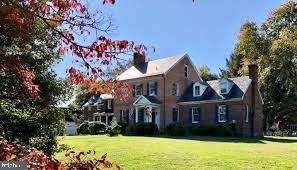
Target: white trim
[222, 121]
[260, 96]
[148, 102]
[194, 90]
[109, 103]
[210, 101]
[246, 114]
[193, 114]
[149, 88]
[175, 64]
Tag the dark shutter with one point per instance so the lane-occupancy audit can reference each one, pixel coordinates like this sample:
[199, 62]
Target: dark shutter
[140, 115]
[199, 111]
[141, 90]
[127, 115]
[134, 115]
[216, 116]
[227, 113]
[190, 115]
[121, 118]
[148, 89]
[134, 90]
[156, 86]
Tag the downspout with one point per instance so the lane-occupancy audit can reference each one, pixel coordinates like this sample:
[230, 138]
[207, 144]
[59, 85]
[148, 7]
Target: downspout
[164, 94]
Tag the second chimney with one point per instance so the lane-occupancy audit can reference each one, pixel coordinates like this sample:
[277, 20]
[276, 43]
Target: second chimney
[138, 60]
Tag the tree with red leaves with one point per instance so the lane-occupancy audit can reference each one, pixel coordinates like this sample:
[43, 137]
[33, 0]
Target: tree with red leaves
[66, 21]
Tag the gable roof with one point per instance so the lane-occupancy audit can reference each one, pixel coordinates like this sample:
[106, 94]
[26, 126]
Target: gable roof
[147, 99]
[212, 92]
[96, 99]
[151, 68]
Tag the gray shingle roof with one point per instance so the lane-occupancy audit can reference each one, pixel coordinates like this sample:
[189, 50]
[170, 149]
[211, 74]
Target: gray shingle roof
[151, 68]
[212, 91]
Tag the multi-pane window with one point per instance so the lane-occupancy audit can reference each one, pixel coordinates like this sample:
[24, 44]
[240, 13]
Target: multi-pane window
[138, 89]
[196, 90]
[195, 115]
[223, 87]
[109, 104]
[222, 113]
[124, 115]
[175, 89]
[247, 109]
[186, 71]
[152, 88]
[97, 118]
[174, 114]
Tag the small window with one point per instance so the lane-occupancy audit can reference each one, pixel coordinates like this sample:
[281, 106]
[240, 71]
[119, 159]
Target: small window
[138, 90]
[222, 113]
[109, 104]
[186, 71]
[97, 118]
[175, 116]
[196, 90]
[175, 89]
[223, 87]
[195, 115]
[247, 109]
[152, 89]
[124, 115]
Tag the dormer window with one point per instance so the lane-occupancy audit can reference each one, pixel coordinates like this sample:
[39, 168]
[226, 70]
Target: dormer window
[223, 87]
[196, 91]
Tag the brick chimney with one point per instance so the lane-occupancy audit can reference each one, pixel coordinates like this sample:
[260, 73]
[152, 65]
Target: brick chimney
[253, 75]
[138, 60]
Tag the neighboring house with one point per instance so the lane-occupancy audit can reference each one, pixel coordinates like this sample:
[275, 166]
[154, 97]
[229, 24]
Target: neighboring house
[99, 108]
[170, 90]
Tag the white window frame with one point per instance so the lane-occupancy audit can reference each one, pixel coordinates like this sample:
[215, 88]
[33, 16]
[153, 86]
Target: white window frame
[97, 120]
[177, 120]
[186, 71]
[109, 104]
[194, 90]
[193, 114]
[176, 85]
[219, 113]
[136, 85]
[224, 82]
[247, 110]
[150, 88]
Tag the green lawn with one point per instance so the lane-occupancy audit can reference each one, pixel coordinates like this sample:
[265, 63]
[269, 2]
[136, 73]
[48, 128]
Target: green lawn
[190, 153]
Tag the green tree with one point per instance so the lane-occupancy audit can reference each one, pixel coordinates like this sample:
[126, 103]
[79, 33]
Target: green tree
[205, 74]
[234, 64]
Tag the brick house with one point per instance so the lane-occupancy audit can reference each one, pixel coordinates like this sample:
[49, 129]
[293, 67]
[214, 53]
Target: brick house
[99, 108]
[170, 90]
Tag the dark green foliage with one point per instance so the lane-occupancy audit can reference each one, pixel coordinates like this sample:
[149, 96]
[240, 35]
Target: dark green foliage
[175, 129]
[83, 128]
[206, 75]
[123, 127]
[114, 128]
[211, 130]
[96, 128]
[142, 129]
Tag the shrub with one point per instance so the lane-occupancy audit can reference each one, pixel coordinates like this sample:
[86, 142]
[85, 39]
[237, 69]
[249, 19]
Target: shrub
[83, 128]
[97, 128]
[123, 127]
[142, 129]
[175, 129]
[211, 130]
[114, 128]
[36, 159]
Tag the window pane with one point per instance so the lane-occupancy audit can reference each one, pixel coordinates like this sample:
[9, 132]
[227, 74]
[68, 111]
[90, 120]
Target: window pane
[222, 117]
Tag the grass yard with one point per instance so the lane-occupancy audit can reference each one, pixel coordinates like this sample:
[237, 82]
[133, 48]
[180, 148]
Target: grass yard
[191, 152]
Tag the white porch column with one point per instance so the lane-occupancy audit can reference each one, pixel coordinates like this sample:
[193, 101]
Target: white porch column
[150, 114]
[136, 114]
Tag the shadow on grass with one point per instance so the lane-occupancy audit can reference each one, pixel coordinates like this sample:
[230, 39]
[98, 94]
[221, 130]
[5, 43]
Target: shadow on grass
[262, 140]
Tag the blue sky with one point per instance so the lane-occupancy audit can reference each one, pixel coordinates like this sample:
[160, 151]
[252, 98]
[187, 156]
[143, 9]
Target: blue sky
[206, 29]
